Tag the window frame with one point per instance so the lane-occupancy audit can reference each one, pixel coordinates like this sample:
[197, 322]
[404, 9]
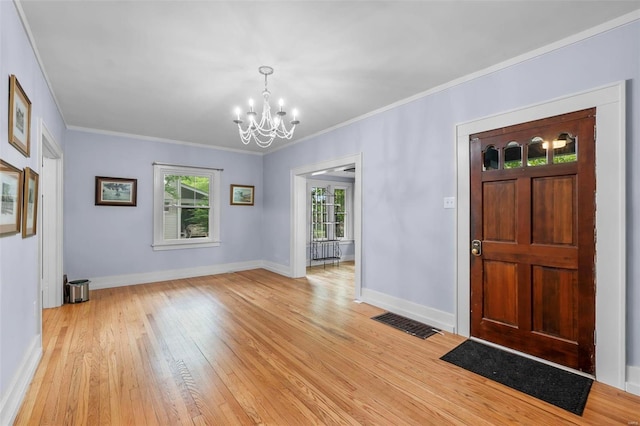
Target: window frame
[213, 239]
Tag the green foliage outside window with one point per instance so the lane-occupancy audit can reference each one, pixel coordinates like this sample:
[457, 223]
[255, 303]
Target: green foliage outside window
[339, 212]
[566, 158]
[189, 195]
[541, 161]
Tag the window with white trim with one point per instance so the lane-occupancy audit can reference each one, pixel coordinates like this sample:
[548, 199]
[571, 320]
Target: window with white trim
[330, 220]
[186, 207]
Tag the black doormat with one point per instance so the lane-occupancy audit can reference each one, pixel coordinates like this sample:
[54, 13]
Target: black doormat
[407, 325]
[553, 385]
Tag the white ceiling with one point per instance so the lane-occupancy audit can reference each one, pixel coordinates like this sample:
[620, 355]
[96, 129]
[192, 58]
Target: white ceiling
[177, 69]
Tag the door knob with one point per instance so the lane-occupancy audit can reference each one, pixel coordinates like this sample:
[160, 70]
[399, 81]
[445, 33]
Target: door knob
[476, 247]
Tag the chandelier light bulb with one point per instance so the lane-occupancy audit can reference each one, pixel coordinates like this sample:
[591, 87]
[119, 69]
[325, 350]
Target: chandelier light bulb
[269, 127]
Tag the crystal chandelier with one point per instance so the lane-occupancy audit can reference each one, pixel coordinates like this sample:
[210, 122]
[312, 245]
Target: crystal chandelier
[269, 128]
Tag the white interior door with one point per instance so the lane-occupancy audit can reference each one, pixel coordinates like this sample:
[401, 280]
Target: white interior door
[51, 221]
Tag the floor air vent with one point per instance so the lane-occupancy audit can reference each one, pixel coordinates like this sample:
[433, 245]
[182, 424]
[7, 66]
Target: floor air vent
[407, 325]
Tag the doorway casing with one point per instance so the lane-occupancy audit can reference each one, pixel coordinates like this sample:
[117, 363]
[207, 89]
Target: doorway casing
[299, 215]
[51, 219]
[610, 261]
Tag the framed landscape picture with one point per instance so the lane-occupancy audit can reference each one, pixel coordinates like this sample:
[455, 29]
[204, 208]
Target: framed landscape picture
[11, 204]
[112, 191]
[19, 117]
[242, 195]
[30, 203]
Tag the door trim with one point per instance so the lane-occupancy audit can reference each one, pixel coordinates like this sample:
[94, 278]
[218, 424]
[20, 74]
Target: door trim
[51, 184]
[610, 217]
[298, 243]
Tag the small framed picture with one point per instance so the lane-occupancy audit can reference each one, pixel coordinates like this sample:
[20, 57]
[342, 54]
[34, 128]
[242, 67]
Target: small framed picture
[11, 205]
[242, 195]
[112, 191]
[19, 117]
[30, 203]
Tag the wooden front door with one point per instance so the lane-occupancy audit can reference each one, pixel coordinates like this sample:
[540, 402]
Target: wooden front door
[533, 232]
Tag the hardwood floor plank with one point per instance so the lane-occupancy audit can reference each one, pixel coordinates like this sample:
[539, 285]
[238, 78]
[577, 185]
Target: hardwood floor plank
[253, 347]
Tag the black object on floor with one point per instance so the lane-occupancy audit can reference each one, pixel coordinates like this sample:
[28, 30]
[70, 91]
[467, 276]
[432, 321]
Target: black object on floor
[550, 384]
[407, 325]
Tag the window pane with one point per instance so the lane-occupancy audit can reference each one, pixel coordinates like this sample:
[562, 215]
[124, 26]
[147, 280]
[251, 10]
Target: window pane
[564, 149]
[186, 190]
[536, 152]
[339, 212]
[182, 194]
[171, 194]
[512, 155]
[195, 222]
[171, 223]
[319, 213]
[339, 199]
[186, 222]
[490, 158]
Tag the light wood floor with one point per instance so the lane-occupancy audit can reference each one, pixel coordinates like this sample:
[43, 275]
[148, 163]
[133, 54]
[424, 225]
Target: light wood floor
[256, 348]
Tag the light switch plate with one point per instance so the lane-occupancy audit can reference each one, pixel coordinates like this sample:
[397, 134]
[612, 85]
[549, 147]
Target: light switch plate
[449, 202]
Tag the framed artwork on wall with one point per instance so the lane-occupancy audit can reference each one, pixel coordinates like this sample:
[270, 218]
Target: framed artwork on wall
[19, 117]
[11, 204]
[111, 191]
[29, 203]
[242, 195]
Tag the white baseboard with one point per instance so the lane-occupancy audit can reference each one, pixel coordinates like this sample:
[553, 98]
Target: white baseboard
[12, 399]
[277, 268]
[442, 320]
[97, 283]
[633, 380]
[345, 258]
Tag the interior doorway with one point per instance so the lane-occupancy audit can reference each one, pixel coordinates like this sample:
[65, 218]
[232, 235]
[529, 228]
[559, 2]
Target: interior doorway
[300, 213]
[330, 216]
[51, 201]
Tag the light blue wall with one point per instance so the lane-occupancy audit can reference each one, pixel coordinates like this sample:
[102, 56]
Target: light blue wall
[103, 241]
[409, 167]
[18, 256]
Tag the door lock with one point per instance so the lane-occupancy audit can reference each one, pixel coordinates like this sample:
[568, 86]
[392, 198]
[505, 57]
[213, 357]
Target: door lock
[476, 247]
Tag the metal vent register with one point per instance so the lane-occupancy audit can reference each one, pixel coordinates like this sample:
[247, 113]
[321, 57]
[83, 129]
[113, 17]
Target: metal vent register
[407, 325]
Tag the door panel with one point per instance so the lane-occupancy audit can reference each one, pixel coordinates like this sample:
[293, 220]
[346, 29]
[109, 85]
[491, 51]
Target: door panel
[499, 213]
[501, 292]
[532, 207]
[553, 204]
[556, 302]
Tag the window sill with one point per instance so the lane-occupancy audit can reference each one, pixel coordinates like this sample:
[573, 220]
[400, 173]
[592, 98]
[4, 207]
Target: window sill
[180, 245]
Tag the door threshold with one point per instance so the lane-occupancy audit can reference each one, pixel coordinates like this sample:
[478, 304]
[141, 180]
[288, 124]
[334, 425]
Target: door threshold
[525, 355]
